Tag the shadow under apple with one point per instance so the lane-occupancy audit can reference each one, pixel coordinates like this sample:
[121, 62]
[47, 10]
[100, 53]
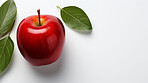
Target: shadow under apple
[51, 69]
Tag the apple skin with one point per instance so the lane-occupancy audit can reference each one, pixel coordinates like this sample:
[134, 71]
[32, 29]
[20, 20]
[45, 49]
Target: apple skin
[41, 45]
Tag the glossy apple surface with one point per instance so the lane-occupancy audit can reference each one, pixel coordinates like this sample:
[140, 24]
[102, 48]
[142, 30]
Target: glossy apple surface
[41, 45]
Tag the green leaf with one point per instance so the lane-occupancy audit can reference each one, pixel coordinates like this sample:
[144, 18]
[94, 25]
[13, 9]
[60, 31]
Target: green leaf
[6, 52]
[75, 18]
[8, 13]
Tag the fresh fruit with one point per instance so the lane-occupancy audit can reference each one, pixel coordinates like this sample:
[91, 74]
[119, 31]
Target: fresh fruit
[41, 39]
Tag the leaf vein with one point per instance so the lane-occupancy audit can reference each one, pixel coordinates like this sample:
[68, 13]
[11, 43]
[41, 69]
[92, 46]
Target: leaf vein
[74, 17]
[4, 18]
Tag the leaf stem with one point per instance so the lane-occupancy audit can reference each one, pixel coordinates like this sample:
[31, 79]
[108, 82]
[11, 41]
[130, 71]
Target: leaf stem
[59, 7]
[11, 30]
[9, 33]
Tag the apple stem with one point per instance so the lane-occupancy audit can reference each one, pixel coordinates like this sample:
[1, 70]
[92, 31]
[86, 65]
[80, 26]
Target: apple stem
[39, 17]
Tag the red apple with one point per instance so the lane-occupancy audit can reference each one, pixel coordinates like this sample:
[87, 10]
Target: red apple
[41, 39]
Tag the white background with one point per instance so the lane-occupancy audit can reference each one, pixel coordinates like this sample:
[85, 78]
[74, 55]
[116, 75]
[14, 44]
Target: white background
[116, 51]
